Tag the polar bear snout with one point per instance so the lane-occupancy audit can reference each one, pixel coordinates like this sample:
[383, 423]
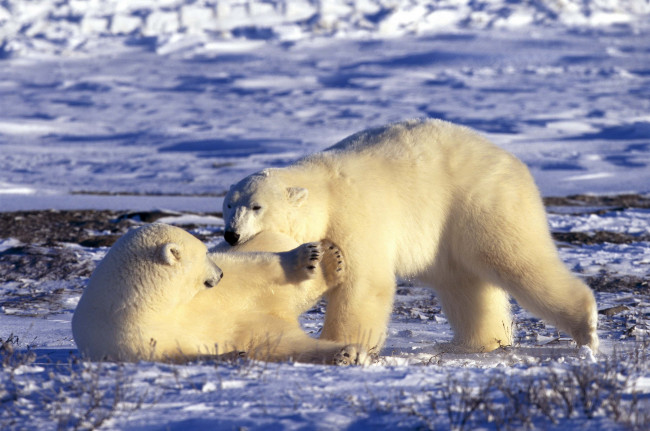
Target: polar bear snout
[214, 277]
[231, 237]
[213, 281]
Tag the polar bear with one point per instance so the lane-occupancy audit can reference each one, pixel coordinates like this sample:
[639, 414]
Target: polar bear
[155, 296]
[422, 199]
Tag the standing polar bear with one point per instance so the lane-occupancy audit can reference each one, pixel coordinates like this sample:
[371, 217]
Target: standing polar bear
[425, 199]
[155, 297]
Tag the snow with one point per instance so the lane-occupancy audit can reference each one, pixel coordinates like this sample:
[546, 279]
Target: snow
[634, 222]
[143, 104]
[632, 259]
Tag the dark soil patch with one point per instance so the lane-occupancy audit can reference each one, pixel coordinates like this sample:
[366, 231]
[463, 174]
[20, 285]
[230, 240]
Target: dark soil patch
[32, 262]
[598, 237]
[88, 228]
[101, 228]
[614, 202]
[618, 283]
[53, 227]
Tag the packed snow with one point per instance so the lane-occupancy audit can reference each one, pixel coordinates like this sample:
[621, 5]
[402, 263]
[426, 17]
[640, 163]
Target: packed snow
[137, 105]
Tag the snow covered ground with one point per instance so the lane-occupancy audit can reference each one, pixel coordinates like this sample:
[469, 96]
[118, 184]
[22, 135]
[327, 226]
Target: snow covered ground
[136, 105]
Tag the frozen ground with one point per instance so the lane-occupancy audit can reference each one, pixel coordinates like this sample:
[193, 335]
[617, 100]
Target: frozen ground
[132, 106]
[542, 382]
[176, 114]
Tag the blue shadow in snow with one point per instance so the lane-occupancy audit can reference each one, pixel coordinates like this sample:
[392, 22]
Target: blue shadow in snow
[128, 137]
[494, 125]
[187, 422]
[445, 82]
[634, 131]
[581, 59]
[82, 102]
[222, 58]
[345, 80]
[231, 148]
[451, 37]
[199, 83]
[561, 166]
[147, 43]
[93, 87]
[624, 161]
[47, 356]
[418, 60]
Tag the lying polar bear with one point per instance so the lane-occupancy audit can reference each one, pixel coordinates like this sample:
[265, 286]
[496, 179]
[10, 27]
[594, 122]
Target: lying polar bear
[159, 295]
[423, 199]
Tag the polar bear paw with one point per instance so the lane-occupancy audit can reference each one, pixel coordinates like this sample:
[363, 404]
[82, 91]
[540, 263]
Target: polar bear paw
[309, 257]
[352, 355]
[333, 263]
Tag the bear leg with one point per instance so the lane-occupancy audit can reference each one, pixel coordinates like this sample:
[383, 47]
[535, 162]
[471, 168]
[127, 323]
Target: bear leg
[526, 264]
[478, 312]
[286, 341]
[551, 292]
[358, 310]
[510, 246]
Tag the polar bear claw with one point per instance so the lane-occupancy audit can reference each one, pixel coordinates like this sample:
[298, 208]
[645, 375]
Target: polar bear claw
[352, 355]
[333, 263]
[308, 258]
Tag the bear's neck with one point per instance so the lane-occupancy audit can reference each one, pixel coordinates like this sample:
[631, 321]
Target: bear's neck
[309, 220]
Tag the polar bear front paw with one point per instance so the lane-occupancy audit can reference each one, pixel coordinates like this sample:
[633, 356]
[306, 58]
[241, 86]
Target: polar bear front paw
[333, 263]
[309, 257]
[352, 355]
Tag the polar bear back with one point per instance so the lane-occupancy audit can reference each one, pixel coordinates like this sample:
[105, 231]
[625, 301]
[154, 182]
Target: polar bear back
[435, 146]
[407, 181]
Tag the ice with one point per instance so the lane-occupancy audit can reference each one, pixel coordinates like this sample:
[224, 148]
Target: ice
[634, 222]
[161, 23]
[185, 219]
[196, 19]
[122, 24]
[11, 189]
[621, 259]
[82, 21]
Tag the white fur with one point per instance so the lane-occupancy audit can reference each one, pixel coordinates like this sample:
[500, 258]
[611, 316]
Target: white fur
[155, 296]
[424, 199]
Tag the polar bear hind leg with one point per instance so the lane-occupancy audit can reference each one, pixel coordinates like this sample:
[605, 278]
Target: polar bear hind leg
[547, 289]
[526, 264]
[478, 312]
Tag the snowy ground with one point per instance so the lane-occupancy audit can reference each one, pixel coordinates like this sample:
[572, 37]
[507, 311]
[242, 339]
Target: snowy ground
[132, 106]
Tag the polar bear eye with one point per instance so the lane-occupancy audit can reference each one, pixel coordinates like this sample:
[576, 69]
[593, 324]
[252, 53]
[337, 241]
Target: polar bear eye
[256, 208]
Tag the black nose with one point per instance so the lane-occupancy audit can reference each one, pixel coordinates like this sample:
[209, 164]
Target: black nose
[231, 237]
[213, 281]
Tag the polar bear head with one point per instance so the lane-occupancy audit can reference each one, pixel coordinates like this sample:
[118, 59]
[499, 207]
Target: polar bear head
[158, 260]
[257, 202]
[145, 275]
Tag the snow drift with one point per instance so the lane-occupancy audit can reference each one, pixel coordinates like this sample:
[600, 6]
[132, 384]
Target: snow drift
[75, 25]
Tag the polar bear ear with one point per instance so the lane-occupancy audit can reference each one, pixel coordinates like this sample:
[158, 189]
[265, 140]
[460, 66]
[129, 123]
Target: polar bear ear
[267, 172]
[170, 253]
[297, 195]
